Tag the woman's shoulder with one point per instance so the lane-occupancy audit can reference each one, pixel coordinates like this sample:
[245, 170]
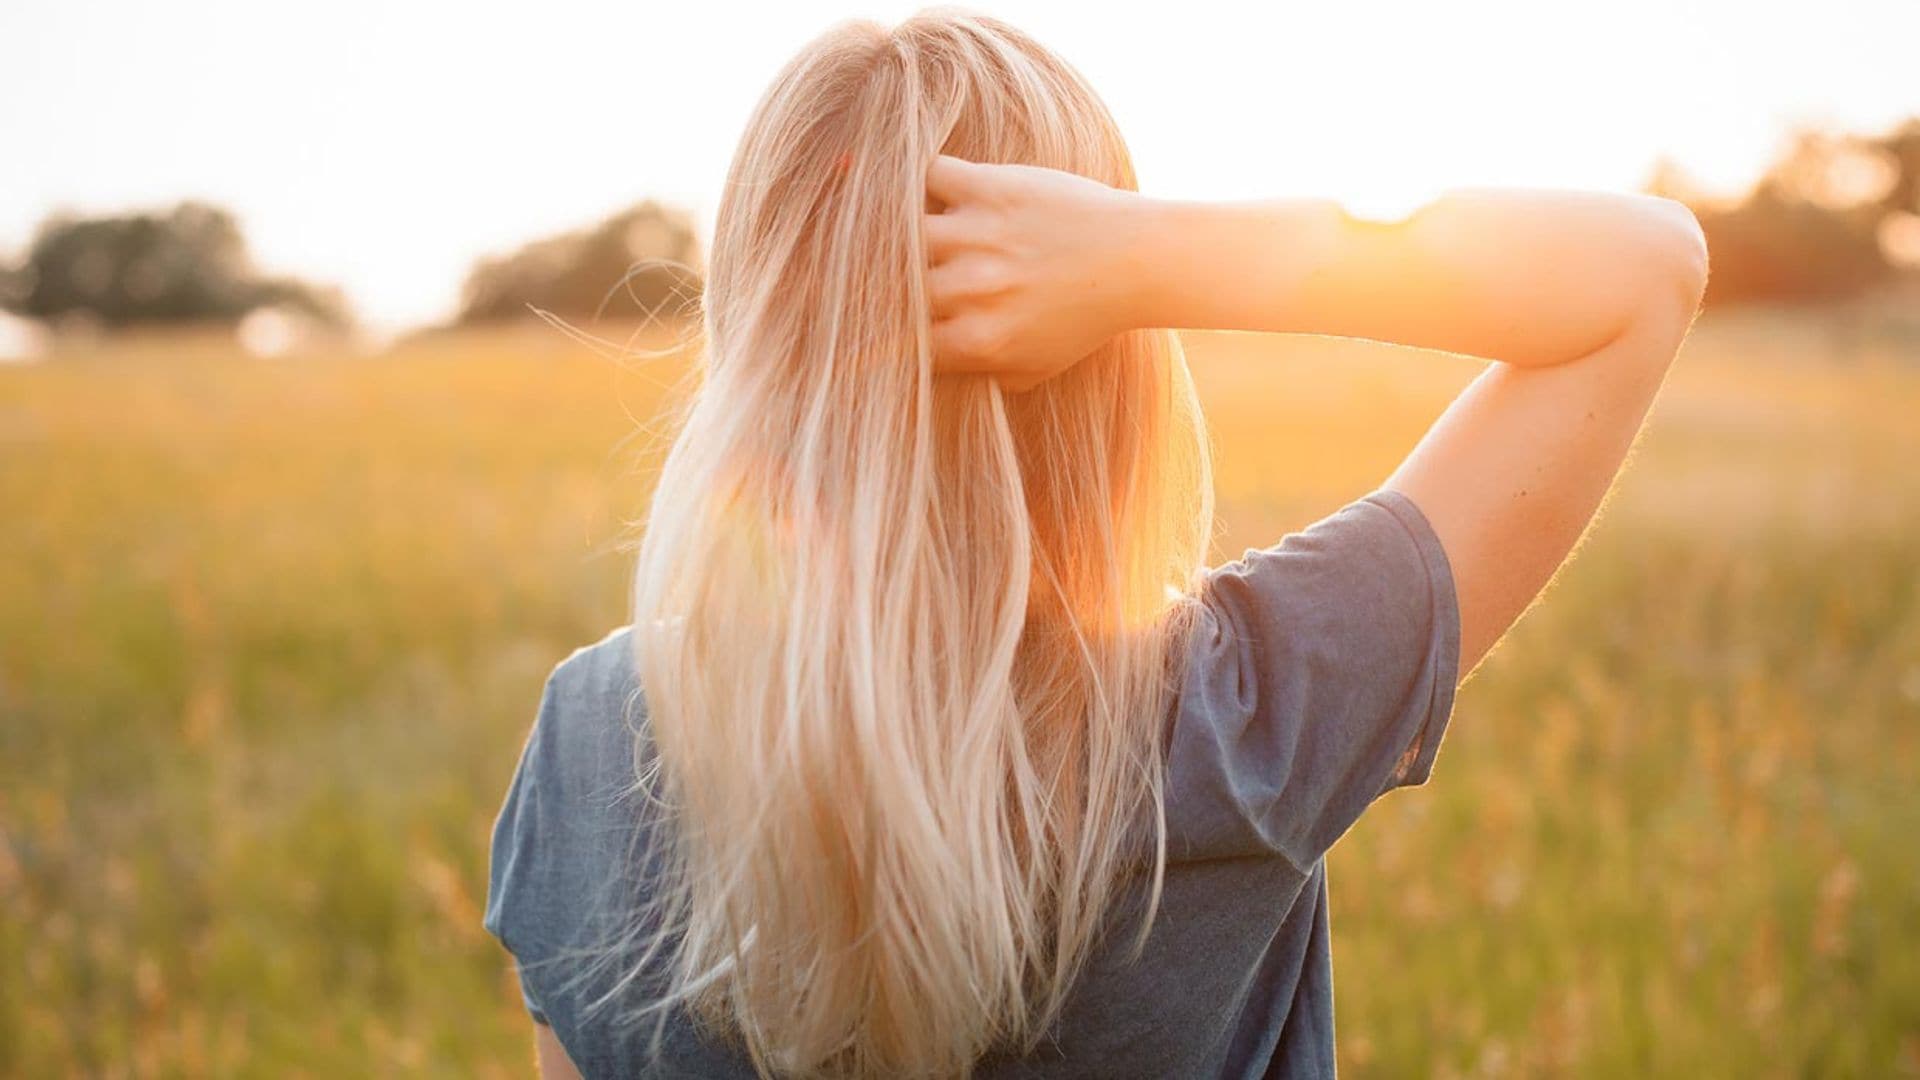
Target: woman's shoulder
[573, 797]
[592, 720]
[598, 677]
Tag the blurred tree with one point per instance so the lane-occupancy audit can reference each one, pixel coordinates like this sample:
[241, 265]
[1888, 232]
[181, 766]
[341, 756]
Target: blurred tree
[1902, 148]
[643, 262]
[186, 264]
[13, 285]
[1774, 246]
[1825, 221]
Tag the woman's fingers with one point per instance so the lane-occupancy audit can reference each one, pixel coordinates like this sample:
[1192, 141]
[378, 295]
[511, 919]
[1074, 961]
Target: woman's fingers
[945, 234]
[969, 277]
[947, 356]
[968, 280]
[952, 180]
[968, 343]
[968, 346]
[943, 292]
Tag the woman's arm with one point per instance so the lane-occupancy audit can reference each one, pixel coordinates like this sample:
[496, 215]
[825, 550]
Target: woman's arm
[1583, 298]
[1529, 278]
[551, 1056]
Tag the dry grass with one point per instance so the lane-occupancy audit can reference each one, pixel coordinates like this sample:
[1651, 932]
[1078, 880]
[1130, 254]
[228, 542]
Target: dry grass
[271, 633]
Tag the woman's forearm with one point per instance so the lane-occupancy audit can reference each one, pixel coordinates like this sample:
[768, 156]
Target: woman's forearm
[1528, 278]
[1031, 269]
[1586, 297]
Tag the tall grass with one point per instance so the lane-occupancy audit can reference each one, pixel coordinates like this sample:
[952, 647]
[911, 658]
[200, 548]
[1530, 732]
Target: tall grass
[271, 634]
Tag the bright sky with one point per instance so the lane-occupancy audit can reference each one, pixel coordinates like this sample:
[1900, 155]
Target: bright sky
[383, 144]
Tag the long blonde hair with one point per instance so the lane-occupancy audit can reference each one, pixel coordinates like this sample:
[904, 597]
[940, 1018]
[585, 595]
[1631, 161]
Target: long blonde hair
[907, 640]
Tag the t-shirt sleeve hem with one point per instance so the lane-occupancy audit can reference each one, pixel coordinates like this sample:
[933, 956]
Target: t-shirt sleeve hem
[1446, 634]
[534, 1010]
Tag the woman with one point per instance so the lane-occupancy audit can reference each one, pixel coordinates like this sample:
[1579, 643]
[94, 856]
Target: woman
[930, 751]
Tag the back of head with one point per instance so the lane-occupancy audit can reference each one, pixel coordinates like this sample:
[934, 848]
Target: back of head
[907, 639]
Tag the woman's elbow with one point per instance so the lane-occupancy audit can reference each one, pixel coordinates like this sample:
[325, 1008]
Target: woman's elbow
[1663, 280]
[1682, 255]
[1668, 278]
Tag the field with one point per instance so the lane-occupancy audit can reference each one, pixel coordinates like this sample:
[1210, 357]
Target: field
[271, 633]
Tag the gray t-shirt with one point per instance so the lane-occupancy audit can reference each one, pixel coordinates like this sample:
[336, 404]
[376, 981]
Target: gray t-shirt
[1321, 676]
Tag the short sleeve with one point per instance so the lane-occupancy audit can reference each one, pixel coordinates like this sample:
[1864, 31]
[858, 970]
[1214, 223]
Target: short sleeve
[561, 873]
[516, 879]
[1320, 675]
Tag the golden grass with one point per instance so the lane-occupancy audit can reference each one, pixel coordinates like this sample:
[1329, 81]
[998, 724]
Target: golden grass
[271, 633]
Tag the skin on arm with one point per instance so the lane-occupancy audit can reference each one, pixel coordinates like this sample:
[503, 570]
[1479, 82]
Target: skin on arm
[1516, 468]
[1582, 299]
[552, 1057]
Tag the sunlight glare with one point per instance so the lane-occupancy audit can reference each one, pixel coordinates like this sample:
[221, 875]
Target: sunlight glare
[1389, 204]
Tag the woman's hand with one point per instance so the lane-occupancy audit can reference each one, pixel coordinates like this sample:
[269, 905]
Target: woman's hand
[1030, 269]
